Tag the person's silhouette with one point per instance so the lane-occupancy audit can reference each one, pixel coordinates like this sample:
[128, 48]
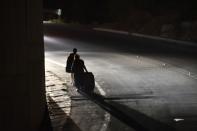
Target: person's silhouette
[78, 70]
[69, 63]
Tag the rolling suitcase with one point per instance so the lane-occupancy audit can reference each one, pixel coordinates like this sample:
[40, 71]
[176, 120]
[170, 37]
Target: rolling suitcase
[88, 82]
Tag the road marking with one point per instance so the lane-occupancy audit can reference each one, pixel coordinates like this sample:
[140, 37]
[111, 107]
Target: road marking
[52, 61]
[111, 30]
[100, 89]
[178, 119]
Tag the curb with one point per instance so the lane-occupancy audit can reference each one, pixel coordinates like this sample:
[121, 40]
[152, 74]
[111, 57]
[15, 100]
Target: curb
[186, 43]
[58, 101]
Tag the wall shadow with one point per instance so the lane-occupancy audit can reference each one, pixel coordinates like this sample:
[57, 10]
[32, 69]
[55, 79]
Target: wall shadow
[57, 111]
[46, 122]
[131, 117]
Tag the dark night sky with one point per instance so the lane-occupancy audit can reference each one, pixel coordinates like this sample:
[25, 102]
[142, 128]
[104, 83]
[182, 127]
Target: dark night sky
[101, 9]
[53, 3]
[61, 3]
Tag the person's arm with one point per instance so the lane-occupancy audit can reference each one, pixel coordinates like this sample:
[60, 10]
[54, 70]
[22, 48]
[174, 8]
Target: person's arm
[84, 67]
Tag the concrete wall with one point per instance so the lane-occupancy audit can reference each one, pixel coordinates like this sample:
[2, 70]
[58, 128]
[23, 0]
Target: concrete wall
[22, 99]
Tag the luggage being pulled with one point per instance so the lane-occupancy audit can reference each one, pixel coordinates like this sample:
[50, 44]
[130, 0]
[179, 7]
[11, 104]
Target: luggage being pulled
[88, 82]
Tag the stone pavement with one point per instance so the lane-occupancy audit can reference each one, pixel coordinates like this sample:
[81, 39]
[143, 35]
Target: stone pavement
[58, 100]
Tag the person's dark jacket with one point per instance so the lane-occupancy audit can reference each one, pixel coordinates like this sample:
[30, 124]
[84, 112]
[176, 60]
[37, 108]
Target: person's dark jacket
[78, 66]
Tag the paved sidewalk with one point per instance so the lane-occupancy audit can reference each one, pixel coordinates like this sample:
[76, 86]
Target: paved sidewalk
[58, 100]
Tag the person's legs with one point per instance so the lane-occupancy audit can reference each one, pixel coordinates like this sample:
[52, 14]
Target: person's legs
[78, 79]
[72, 78]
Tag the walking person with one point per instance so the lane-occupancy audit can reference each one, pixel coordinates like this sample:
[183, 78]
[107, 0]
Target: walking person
[69, 63]
[78, 69]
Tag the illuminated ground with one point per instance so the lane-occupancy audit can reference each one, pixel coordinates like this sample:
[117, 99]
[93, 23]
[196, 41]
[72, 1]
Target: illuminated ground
[157, 89]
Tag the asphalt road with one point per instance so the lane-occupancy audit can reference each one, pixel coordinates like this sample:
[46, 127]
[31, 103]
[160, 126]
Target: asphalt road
[143, 84]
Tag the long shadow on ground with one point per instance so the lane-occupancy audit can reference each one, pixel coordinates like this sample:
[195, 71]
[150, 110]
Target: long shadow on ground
[131, 117]
[57, 114]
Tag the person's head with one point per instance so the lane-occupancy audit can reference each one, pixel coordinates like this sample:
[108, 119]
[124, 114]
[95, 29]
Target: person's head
[77, 57]
[75, 50]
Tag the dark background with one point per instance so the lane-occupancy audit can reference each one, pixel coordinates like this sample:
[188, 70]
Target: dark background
[109, 10]
[175, 19]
